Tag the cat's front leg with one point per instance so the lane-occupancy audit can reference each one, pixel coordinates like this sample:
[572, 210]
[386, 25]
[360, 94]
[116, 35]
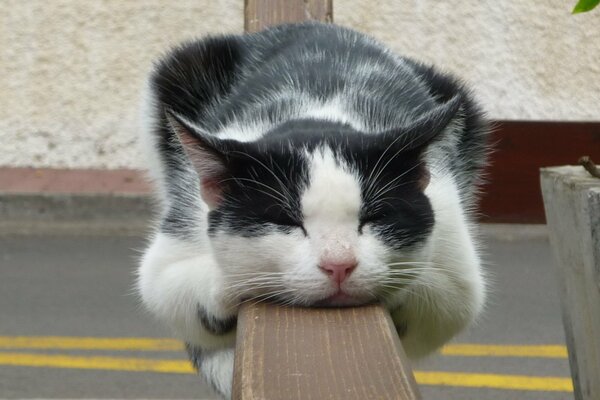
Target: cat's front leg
[445, 297]
[183, 286]
[436, 308]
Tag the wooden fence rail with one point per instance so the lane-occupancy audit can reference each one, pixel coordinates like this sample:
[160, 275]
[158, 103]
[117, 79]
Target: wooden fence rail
[331, 353]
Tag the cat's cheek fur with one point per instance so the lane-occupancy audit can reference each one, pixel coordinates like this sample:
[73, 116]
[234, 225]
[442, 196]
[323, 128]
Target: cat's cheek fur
[446, 299]
[180, 284]
[287, 257]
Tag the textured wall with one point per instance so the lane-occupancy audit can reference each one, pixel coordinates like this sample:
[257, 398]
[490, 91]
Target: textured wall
[70, 70]
[526, 59]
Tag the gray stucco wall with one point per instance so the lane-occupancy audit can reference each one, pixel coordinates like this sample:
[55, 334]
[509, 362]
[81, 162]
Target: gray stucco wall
[71, 70]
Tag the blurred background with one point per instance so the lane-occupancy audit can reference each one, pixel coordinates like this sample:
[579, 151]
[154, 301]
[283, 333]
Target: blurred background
[71, 71]
[74, 208]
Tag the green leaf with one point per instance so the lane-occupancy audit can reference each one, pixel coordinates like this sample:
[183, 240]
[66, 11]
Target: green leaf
[585, 5]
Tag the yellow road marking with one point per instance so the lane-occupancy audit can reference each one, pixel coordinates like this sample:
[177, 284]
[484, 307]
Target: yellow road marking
[485, 350]
[459, 379]
[493, 381]
[150, 344]
[106, 363]
[88, 343]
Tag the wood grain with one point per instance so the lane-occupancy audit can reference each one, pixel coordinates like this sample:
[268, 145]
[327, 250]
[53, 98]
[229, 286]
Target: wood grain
[334, 353]
[260, 14]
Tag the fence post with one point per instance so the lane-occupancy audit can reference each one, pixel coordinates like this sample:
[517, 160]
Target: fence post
[572, 203]
[259, 14]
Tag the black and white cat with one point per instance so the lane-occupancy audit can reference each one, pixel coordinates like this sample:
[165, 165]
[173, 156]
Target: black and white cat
[309, 165]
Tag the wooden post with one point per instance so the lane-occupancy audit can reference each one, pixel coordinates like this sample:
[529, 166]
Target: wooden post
[260, 14]
[333, 353]
[572, 202]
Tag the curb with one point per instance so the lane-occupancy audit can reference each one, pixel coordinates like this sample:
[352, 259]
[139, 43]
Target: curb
[74, 201]
[81, 213]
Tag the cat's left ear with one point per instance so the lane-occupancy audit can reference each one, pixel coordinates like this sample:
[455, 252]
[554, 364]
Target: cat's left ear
[415, 137]
[206, 154]
[430, 126]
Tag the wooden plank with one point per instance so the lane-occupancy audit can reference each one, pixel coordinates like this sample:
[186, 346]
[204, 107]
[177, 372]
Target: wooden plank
[513, 194]
[572, 201]
[260, 14]
[334, 353]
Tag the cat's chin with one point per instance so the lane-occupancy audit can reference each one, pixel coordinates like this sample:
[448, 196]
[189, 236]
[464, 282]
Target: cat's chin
[341, 299]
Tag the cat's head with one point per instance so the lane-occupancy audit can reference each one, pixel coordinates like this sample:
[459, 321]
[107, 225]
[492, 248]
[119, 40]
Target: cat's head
[316, 213]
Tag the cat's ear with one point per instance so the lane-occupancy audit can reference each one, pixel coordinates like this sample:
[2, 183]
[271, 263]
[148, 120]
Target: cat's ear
[415, 137]
[428, 127]
[205, 154]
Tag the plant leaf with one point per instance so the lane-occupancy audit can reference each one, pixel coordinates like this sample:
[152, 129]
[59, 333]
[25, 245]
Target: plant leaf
[585, 5]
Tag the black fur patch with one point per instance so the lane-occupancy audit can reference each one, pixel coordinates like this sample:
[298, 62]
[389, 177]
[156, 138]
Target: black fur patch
[195, 355]
[215, 325]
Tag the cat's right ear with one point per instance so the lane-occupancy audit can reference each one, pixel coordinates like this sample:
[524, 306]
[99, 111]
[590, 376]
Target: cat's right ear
[203, 152]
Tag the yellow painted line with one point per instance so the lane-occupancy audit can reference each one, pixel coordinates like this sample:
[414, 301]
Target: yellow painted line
[485, 350]
[458, 379]
[160, 344]
[104, 363]
[493, 381]
[88, 343]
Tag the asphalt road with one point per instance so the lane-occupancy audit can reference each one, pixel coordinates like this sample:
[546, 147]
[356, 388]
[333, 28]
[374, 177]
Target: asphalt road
[80, 286]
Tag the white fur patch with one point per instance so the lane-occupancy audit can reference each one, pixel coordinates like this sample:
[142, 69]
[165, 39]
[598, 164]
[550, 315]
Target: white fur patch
[174, 279]
[217, 368]
[333, 192]
[331, 206]
[334, 110]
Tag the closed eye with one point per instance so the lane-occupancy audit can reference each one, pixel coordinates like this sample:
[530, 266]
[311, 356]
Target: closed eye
[291, 224]
[368, 219]
[281, 219]
[285, 222]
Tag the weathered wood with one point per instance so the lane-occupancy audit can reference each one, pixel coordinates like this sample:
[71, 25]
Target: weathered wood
[260, 14]
[572, 202]
[333, 353]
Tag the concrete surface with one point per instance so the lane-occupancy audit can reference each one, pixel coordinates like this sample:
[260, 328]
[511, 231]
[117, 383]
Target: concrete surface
[572, 203]
[80, 285]
[71, 70]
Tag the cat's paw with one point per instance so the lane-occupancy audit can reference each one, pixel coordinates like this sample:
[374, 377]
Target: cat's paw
[216, 325]
[216, 366]
[185, 289]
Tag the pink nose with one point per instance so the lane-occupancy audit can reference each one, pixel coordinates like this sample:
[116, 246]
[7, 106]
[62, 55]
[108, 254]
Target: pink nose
[338, 272]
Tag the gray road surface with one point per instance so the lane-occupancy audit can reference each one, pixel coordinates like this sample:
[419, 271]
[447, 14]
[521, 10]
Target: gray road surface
[80, 285]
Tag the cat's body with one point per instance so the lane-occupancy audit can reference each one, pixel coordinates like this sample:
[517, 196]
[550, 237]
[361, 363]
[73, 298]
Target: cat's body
[309, 165]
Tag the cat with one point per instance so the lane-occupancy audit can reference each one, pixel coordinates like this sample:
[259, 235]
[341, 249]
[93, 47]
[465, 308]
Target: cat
[309, 165]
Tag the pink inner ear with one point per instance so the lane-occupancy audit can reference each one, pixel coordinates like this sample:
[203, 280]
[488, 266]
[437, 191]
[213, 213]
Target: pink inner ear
[211, 191]
[207, 161]
[424, 178]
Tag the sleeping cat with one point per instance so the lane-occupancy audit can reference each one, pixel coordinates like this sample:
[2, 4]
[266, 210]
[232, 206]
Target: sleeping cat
[309, 165]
